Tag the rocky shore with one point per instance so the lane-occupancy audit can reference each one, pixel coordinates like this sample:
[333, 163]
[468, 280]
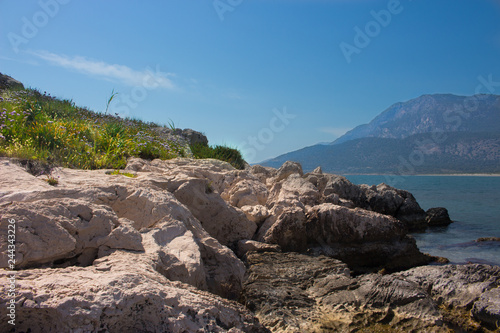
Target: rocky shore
[197, 246]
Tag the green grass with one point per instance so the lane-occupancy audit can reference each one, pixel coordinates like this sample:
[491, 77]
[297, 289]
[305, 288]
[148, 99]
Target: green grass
[228, 154]
[119, 172]
[35, 126]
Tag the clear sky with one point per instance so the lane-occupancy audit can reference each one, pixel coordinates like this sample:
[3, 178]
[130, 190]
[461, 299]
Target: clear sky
[266, 76]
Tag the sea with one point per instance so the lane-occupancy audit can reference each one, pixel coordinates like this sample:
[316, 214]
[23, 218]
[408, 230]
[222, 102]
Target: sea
[473, 203]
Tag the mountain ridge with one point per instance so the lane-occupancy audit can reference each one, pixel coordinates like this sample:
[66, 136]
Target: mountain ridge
[431, 134]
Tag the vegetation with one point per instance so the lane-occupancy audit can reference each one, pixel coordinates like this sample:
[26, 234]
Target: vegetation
[231, 155]
[123, 173]
[36, 126]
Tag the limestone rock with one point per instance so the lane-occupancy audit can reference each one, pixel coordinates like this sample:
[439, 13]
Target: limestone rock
[194, 137]
[246, 193]
[437, 217]
[225, 223]
[7, 82]
[247, 245]
[289, 168]
[361, 238]
[292, 292]
[487, 308]
[112, 296]
[257, 214]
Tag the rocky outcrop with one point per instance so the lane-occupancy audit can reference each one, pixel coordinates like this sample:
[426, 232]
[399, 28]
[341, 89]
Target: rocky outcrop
[7, 82]
[163, 250]
[362, 238]
[292, 292]
[120, 292]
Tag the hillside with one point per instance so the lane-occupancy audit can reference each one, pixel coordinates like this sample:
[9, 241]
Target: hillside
[56, 132]
[430, 134]
[428, 113]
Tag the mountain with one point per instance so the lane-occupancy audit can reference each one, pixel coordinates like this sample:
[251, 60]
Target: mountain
[431, 134]
[428, 113]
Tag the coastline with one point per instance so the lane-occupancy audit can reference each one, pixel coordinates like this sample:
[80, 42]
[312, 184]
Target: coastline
[428, 174]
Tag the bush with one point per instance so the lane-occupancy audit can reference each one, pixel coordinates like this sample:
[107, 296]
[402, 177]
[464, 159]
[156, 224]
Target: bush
[223, 153]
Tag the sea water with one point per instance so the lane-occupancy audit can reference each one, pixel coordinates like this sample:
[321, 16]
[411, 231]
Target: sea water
[473, 203]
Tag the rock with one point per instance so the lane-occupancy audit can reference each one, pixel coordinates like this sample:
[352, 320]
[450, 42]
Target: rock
[292, 292]
[225, 223]
[257, 214]
[487, 308]
[289, 168]
[91, 213]
[361, 238]
[263, 173]
[277, 288]
[437, 217]
[288, 230]
[110, 296]
[7, 82]
[194, 137]
[488, 239]
[49, 231]
[247, 245]
[246, 193]
[294, 191]
[318, 171]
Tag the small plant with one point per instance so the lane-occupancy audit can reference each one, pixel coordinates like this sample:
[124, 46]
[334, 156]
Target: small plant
[123, 173]
[51, 180]
[171, 124]
[113, 95]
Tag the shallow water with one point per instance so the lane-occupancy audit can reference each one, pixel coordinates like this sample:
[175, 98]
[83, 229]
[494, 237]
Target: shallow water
[473, 203]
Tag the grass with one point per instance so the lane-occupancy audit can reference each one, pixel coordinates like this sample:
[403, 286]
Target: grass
[123, 173]
[228, 154]
[36, 126]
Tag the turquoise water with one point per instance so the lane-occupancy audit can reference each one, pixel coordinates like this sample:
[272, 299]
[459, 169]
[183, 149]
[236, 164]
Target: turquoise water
[473, 203]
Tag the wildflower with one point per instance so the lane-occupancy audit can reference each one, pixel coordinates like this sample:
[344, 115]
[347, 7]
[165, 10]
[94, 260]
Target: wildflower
[50, 122]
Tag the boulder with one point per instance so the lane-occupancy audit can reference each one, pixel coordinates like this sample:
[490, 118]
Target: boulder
[257, 214]
[7, 82]
[289, 168]
[247, 192]
[114, 296]
[194, 137]
[225, 223]
[362, 238]
[437, 217]
[487, 308]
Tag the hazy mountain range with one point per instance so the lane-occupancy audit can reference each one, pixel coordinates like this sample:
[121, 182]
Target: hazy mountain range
[440, 133]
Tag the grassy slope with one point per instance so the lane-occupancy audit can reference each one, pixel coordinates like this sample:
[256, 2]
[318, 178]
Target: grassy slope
[36, 126]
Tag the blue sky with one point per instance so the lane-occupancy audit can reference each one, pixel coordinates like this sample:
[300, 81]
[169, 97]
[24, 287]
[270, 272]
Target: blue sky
[266, 76]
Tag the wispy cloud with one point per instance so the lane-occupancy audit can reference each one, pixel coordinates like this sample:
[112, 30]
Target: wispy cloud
[112, 72]
[335, 131]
